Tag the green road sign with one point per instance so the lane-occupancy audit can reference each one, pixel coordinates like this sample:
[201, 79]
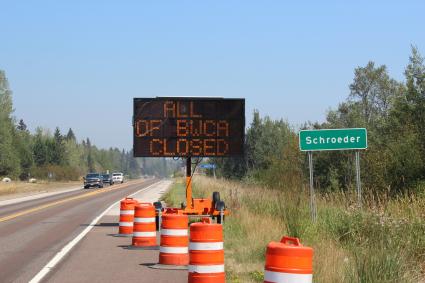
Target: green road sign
[333, 139]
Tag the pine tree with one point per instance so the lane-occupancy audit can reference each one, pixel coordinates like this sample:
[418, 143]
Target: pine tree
[134, 167]
[90, 159]
[88, 143]
[21, 126]
[90, 162]
[70, 136]
[23, 141]
[39, 149]
[57, 149]
[9, 160]
[123, 162]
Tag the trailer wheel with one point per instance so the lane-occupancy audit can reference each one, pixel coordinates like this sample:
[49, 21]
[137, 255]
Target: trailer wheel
[220, 205]
[216, 197]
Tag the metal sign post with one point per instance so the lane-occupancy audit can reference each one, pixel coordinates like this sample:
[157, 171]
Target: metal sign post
[359, 185]
[333, 139]
[209, 166]
[312, 198]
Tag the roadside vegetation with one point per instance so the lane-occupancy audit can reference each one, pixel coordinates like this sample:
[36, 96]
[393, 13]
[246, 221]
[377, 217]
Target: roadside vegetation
[266, 189]
[57, 156]
[176, 194]
[382, 242]
[393, 113]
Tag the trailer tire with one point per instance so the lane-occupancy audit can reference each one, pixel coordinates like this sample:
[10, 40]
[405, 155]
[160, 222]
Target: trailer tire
[219, 205]
[215, 197]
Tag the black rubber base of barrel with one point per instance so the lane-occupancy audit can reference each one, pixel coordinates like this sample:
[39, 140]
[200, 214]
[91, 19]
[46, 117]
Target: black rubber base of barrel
[169, 267]
[151, 248]
[123, 235]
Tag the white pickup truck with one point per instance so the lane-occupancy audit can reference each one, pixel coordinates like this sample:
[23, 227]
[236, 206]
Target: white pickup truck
[118, 178]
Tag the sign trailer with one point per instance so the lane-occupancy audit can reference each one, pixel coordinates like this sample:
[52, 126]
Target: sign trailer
[189, 127]
[333, 139]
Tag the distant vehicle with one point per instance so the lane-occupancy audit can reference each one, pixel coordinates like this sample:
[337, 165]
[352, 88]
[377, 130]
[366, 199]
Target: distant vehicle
[93, 180]
[118, 177]
[107, 179]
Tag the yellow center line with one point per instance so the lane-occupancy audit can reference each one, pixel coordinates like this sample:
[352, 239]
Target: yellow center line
[50, 204]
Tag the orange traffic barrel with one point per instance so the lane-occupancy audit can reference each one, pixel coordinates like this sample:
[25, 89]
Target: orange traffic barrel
[288, 261]
[144, 228]
[174, 240]
[126, 217]
[206, 254]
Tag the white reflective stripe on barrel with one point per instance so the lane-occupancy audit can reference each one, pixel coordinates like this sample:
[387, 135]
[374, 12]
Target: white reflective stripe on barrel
[144, 219]
[282, 277]
[219, 268]
[126, 224]
[144, 234]
[173, 250]
[174, 232]
[212, 246]
[127, 212]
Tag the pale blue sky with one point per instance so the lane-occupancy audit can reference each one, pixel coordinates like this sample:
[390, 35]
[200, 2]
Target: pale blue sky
[79, 63]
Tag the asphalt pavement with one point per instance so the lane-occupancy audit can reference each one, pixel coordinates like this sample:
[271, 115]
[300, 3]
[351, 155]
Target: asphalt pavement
[32, 232]
[102, 257]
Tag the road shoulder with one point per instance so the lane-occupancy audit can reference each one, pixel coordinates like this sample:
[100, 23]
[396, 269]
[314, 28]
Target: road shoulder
[101, 257]
[21, 197]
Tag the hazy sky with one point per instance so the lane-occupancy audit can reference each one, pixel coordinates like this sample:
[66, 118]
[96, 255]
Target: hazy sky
[79, 64]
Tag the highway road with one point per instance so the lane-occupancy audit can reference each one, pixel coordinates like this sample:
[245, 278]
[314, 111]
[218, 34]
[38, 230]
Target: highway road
[34, 231]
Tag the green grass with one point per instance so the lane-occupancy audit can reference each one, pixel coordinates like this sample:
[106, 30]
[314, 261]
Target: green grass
[176, 194]
[382, 242]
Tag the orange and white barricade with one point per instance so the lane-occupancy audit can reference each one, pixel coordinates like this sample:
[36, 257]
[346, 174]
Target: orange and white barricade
[206, 253]
[126, 217]
[288, 261]
[174, 241]
[144, 229]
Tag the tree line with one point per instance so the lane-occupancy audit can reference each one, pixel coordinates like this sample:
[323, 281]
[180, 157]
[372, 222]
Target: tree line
[393, 112]
[55, 156]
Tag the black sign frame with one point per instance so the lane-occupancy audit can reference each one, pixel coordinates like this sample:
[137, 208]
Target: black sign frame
[188, 127]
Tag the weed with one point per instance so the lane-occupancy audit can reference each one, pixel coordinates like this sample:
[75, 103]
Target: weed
[382, 242]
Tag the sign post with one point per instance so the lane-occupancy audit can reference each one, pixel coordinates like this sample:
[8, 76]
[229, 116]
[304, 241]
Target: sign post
[209, 166]
[333, 139]
[358, 182]
[312, 196]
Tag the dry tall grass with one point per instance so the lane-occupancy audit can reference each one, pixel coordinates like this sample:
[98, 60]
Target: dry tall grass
[382, 242]
[25, 187]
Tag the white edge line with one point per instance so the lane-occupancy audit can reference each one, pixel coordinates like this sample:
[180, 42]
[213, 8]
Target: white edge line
[66, 249]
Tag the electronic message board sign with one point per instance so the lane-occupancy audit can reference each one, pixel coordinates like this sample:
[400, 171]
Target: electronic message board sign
[188, 127]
